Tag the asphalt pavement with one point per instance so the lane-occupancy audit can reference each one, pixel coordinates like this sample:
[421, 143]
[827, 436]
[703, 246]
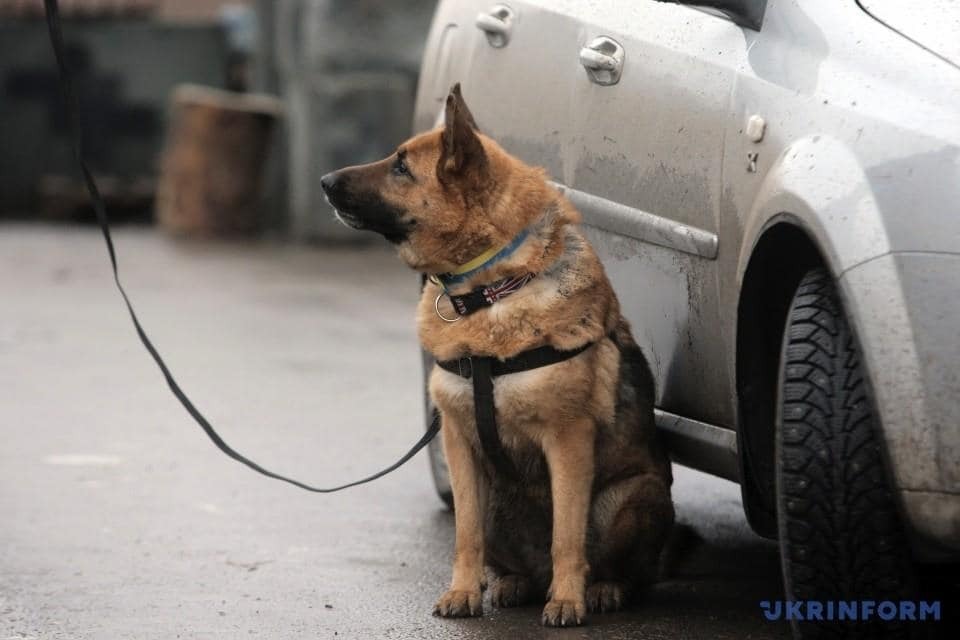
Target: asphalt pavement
[121, 520]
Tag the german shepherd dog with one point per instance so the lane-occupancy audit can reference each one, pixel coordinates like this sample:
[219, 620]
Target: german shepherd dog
[591, 477]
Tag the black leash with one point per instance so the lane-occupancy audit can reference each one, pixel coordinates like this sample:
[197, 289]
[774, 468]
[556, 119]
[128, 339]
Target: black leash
[70, 107]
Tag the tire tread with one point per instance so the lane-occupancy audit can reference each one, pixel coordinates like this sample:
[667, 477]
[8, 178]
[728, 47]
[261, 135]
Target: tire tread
[840, 533]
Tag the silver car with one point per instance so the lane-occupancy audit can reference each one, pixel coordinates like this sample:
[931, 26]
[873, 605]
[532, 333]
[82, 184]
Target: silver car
[774, 187]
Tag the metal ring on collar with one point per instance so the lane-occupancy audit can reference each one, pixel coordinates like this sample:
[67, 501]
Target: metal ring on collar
[436, 306]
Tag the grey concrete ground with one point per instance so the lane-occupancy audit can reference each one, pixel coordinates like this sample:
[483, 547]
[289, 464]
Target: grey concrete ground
[120, 520]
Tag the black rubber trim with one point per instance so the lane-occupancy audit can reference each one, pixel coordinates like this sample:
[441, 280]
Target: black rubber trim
[746, 13]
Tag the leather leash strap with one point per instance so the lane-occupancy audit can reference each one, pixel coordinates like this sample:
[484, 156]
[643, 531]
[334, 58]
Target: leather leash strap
[70, 107]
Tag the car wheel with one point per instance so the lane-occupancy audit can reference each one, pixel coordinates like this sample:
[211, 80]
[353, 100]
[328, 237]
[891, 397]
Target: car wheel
[438, 468]
[840, 534]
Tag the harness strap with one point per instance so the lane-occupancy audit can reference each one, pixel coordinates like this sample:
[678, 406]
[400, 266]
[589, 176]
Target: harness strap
[481, 370]
[56, 40]
[484, 412]
[524, 361]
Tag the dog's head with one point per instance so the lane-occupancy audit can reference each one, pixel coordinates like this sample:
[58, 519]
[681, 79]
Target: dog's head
[435, 197]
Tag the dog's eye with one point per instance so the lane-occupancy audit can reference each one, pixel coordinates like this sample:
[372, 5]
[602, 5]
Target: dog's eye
[400, 167]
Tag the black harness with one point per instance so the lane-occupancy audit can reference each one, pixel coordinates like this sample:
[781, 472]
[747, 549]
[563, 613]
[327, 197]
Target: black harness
[482, 370]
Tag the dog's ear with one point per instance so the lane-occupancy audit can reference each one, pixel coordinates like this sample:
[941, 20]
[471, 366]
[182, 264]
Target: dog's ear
[462, 105]
[461, 151]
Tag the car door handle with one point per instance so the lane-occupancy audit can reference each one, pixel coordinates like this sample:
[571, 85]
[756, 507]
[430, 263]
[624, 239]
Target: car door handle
[496, 25]
[603, 60]
[592, 59]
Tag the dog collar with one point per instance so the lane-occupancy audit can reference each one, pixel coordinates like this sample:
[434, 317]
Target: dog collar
[482, 296]
[487, 258]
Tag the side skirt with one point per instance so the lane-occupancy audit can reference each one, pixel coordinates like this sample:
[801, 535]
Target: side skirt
[700, 445]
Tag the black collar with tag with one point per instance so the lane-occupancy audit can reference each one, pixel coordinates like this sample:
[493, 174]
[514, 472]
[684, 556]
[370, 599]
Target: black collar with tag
[486, 295]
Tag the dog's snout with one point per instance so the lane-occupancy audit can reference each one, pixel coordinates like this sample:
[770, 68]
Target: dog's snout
[330, 182]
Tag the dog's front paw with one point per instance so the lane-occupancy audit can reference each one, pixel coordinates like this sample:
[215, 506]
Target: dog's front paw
[459, 604]
[564, 613]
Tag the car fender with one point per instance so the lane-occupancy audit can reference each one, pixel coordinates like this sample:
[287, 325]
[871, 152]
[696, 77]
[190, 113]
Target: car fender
[819, 184]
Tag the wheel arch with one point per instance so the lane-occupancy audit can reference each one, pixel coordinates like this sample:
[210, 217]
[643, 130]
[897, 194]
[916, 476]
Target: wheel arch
[783, 254]
[815, 207]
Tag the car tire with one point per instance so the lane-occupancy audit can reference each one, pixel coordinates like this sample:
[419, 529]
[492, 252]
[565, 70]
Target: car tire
[438, 467]
[839, 529]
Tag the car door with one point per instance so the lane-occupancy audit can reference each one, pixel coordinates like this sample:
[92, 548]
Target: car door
[643, 161]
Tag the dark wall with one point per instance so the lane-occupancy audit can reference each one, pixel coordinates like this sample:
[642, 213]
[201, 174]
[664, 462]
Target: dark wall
[124, 71]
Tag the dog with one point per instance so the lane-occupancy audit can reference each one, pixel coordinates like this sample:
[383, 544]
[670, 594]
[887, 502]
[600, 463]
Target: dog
[569, 500]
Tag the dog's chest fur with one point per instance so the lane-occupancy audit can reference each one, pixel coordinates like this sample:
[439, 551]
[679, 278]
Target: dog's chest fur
[568, 305]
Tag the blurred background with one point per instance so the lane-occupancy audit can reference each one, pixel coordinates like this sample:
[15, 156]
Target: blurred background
[205, 117]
